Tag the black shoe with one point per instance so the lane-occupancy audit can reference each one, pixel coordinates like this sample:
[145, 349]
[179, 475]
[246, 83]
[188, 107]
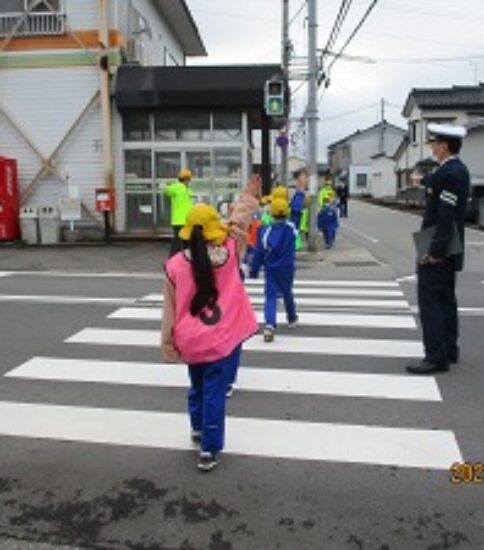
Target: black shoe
[427, 367]
[453, 357]
[196, 437]
[208, 461]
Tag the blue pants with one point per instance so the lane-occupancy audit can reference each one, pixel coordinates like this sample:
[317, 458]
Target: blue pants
[438, 311]
[329, 234]
[279, 282]
[206, 399]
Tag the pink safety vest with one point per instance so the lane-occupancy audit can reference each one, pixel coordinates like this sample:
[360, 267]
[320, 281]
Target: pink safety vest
[211, 335]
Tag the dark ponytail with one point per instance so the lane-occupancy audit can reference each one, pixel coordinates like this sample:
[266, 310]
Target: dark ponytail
[207, 293]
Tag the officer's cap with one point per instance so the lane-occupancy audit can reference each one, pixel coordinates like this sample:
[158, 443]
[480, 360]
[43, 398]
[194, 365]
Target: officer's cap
[446, 131]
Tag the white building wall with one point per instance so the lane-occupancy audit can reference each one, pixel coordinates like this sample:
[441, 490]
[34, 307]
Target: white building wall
[162, 47]
[354, 170]
[45, 103]
[82, 14]
[383, 178]
[119, 174]
[472, 155]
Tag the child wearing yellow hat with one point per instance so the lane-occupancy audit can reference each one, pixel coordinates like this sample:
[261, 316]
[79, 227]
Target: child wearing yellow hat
[275, 250]
[207, 314]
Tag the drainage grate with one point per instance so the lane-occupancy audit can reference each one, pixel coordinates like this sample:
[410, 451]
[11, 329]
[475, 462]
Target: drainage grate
[357, 264]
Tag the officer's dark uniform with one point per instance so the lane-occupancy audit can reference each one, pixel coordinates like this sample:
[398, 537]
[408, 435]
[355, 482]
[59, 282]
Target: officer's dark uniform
[447, 191]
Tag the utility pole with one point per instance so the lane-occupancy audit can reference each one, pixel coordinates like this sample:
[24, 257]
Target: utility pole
[105, 78]
[312, 118]
[285, 69]
[382, 127]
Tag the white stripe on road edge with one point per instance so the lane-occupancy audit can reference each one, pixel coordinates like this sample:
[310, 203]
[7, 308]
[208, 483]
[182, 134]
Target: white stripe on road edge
[404, 447]
[360, 233]
[470, 311]
[304, 318]
[324, 283]
[88, 275]
[283, 344]
[66, 299]
[348, 384]
[320, 302]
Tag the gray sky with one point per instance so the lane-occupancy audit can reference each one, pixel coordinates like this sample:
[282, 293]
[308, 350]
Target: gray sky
[412, 43]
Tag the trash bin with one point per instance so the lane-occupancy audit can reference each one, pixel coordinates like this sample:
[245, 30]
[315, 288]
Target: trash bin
[49, 224]
[29, 224]
[480, 212]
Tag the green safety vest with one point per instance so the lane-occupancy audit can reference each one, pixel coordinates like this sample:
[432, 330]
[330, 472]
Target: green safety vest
[326, 195]
[181, 197]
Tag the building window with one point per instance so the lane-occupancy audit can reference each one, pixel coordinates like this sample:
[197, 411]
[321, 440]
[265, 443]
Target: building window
[200, 164]
[136, 126]
[182, 125]
[227, 126]
[167, 165]
[137, 164]
[413, 132]
[361, 180]
[228, 167]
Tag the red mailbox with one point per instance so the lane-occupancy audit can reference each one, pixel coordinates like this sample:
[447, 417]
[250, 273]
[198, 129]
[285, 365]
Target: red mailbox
[105, 199]
[9, 200]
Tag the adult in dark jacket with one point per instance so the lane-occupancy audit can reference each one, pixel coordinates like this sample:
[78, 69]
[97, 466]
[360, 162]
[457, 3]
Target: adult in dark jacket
[447, 191]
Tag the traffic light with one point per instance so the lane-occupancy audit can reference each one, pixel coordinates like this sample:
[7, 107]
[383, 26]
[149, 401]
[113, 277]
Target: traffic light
[274, 100]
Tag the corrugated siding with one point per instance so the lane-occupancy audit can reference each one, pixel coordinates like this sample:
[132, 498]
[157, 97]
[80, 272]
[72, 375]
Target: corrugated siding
[161, 36]
[83, 14]
[45, 103]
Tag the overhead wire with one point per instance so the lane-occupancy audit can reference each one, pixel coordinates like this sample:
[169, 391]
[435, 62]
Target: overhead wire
[352, 35]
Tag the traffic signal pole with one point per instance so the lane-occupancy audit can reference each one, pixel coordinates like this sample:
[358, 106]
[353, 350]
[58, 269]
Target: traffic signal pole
[285, 70]
[312, 118]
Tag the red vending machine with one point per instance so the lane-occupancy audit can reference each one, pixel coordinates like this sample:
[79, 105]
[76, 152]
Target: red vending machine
[9, 200]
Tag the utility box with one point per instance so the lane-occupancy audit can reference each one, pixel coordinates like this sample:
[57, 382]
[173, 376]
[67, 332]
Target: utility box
[29, 224]
[9, 200]
[49, 224]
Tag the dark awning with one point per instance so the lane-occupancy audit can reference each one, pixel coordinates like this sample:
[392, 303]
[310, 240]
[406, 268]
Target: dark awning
[171, 88]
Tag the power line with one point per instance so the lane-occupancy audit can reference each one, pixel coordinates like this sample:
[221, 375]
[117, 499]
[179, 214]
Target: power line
[353, 34]
[338, 23]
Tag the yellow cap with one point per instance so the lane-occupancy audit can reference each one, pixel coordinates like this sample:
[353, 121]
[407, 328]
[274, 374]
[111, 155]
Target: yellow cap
[185, 174]
[266, 199]
[206, 216]
[279, 208]
[280, 192]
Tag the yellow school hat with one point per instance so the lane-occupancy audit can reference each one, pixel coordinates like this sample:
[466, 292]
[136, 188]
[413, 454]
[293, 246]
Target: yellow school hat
[206, 216]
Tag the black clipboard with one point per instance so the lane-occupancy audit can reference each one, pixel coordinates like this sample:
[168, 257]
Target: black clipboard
[423, 239]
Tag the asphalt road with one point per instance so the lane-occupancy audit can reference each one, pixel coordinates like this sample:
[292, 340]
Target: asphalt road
[95, 451]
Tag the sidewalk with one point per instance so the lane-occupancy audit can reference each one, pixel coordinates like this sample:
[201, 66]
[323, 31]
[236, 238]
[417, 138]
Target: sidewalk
[345, 260]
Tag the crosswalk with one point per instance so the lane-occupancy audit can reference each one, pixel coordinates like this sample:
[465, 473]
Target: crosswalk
[349, 307]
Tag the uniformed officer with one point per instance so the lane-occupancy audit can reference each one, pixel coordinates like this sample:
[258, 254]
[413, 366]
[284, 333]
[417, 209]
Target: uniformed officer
[447, 191]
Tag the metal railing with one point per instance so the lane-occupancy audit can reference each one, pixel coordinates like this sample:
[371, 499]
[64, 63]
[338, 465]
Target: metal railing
[35, 24]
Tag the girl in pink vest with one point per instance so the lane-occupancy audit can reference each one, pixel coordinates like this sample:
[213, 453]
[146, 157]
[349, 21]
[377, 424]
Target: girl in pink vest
[207, 314]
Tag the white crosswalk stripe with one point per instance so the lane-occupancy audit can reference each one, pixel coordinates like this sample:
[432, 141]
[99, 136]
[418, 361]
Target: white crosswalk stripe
[288, 344]
[245, 436]
[382, 386]
[305, 318]
[408, 447]
[316, 302]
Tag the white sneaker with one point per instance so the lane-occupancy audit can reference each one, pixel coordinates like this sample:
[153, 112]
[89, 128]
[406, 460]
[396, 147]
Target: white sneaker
[292, 324]
[230, 390]
[268, 334]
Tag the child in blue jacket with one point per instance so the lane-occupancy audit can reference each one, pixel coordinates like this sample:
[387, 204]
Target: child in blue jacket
[328, 222]
[275, 250]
